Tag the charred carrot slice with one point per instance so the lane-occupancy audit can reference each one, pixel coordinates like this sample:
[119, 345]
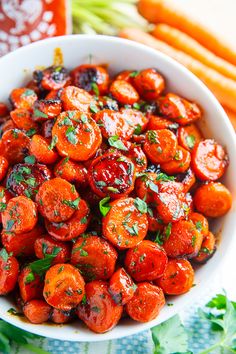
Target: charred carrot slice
[23, 98]
[147, 261]
[209, 160]
[46, 109]
[73, 227]
[94, 257]
[160, 145]
[213, 199]
[100, 313]
[3, 109]
[42, 149]
[57, 200]
[152, 299]
[149, 84]
[121, 287]
[52, 78]
[126, 223]
[20, 215]
[64, 287]
[124, 92]
[76, 135]
[182, 239]
[9, 272]
[177, 278]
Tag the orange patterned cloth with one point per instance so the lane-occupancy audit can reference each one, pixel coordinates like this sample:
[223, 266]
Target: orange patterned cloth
[26, 21]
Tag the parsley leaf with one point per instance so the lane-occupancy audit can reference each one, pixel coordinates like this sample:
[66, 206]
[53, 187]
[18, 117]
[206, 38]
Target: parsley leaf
[73, 204]
[71, 135]
[115, 142]
[170, 337]
[30, 159]
[104, 206]
[53, 142]
[42, 265]
[141, 205]
[190, 140]
[95, 88]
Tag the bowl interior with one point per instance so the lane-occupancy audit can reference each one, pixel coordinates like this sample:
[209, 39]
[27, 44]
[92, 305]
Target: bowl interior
[16, 69]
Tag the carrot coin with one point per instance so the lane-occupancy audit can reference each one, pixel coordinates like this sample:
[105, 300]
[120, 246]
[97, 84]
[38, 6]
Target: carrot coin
[100, 313]
[23, 119]
[146, 186]
[23, 98]
[5, 196]
[213, 199]
[20, 215]
[14, 146]
[207, 250]
[52, 78]
[76, 135]
[112, 175]
[3, 109]
[200, 222]
[126, 223]
[156, 123]
[64, 287]
[147, 261]
[30, 285]
[179, 164]
[178, 109]
[182, 239]
[73, 227]
[46, 245]
[94, 257]
[60, 317]
[189, 136]
[149, 84]
[42, 149]
[124, 92]
[57, 200]
[37, 311]
[188, 180]
[160, 145]
[209, 160]
[46, 109]
[152, 300]
[46, 128]
[121, 287]
[9, 272]
[71, 171]
[136, 155]
[3, 167]
[177, 278]
[74, 98]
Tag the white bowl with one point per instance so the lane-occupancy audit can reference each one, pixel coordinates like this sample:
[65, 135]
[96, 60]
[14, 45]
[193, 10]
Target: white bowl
[120, 54]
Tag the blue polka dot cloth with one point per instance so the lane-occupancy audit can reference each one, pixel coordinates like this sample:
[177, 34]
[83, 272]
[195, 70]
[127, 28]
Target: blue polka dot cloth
[200, 337]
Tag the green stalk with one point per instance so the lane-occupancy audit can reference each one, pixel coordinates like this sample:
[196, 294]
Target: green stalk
[34, 349]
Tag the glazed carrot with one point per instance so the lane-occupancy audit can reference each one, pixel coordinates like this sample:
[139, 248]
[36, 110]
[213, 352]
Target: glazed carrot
[147, 261]
[31, 287]
[46, 109]
[57, 200]
[100, 313]
[60, 317]
[152, 299]
[126, 223]
[71, 171]
[52, 78]
[146, 186]
[64, 286]
[46, 245]
[213, 199]
[121, 287]
[3, 167]
[23, 119]
[5, 196]
[222, 87]
[75, 98]
[188, 136]
[94, 257]
[73, 227]
[188, 180]
[200, 222]
[124, 92]
[9, 272]
[20, 215]
[167, 12]
[187, 44]
[23, 98]
[42, 149]
[3, 109]
[207, 249]
[177, 278]
[14, 146]
[179, 164]
[37, 311]
[149, 84]
[156, 122]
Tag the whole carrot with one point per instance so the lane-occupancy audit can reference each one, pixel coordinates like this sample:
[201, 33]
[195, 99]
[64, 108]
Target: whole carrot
[222, 87]
[187, 44]
[165, 11]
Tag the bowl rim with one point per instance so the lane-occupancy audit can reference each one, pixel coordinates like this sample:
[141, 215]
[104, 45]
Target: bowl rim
[42, 329]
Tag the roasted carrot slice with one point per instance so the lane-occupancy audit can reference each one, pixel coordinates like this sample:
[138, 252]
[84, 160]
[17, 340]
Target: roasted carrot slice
[20, 215]
[152, 300]
[71, 171]
[37, 311]
[30, 285]
[75, 98]
[136, 155]
[209, 160]
[189, 136]
[182, 239]
[112, 175]
[57, 200]
[5, 196]
[46, 245]
[42, 149]
[200, 222]
[177, 278]
[9, 272]
[160, 145]
[76, 135]
[46, 109]
[126, 223]
[121, 287]
[149, 84]
[147, 261]
[3, 167]
[156, 123]
[94, 257]
[124, 92]
[207, 250]
[179, 164]
[23, 120]
[61, 317]
[3, 110]
[14, 146]
[46, 129]
[73, 227]
[52, 78]
[100, 313]
[23, 98]
[64, 287]
[213, 199]
[146, 186]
